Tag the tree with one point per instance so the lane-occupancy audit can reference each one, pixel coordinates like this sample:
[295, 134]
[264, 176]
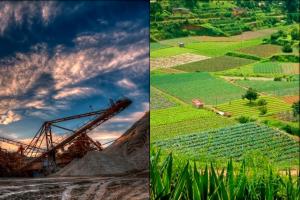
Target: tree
[292, 5]
[296, 108]
[191, 4]
[251, 95]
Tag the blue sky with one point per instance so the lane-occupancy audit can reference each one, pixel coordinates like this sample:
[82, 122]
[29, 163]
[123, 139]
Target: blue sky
[64, 58]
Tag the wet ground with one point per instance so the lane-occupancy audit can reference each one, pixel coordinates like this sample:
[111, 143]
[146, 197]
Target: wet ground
[83, 188]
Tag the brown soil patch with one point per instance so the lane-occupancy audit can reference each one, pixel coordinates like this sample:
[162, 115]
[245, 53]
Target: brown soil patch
[291, 99]
[248, 35]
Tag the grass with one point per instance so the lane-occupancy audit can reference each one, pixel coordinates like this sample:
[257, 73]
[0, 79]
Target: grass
[220, 48]
[277, 88]
[175, 41]
[214, 64]
[238, 142]
[159, 101]
[171, 51]
[188, 86]
[170, 122]
[264, 50]
[169, 181]
[156, 46]
[276, 68]
[242, 107]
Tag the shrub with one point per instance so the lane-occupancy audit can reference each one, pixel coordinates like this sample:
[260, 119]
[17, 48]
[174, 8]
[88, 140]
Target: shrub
[240, 55]
[285, 58]
[296, 108]
[295, 34]
[278, 79]
[245, 119]
[287, 48]
[263, 110]
[262, 102]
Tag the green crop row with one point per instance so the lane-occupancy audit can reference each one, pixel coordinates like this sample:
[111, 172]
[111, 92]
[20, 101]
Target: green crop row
[237, 142]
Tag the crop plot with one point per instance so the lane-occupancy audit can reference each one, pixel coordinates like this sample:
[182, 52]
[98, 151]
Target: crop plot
[242, 107]
[170, 122]
[168, 71]
[248, 35]
[276, 68]
[277, 88]
[215, 64]
[264, 50]
[220, 48]
[171, 61]
[290, 68]
[158, 100]
[291, 99]
[235, 142]
[188, 86]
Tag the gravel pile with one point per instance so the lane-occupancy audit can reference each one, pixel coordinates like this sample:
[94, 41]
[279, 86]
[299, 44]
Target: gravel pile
[130, 153]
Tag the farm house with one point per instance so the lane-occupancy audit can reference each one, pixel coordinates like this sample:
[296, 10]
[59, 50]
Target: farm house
[197, 103]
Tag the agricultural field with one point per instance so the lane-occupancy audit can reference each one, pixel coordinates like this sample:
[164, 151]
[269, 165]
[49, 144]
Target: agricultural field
[237, 142]
[220, 48]
[175, 60]
[166, 71]
[158, 100]
[276, 68]
[171, 122]
[242, 107]
[291, 99]
[170, 51]
[214, 64]
[203, 86]
[263, 51]
[277, 88]
[156, 46]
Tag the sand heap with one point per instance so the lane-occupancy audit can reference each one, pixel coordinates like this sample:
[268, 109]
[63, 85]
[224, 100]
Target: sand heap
[129, 153]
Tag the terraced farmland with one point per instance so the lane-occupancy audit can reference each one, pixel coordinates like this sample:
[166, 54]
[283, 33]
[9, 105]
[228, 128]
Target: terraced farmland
[158, 100]
[241, 107]
[220, 48]
[264, 50]
[171, 122]
[277, 88]
[276, 68]
[188, 86]
[215, 64]
[236, 142]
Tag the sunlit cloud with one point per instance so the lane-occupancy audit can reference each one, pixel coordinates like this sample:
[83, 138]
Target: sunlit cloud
[9, 117]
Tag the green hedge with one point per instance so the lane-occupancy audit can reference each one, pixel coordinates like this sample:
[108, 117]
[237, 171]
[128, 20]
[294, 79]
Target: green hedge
[240, 55]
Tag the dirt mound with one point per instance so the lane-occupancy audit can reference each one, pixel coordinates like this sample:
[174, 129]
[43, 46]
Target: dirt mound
[129, 153]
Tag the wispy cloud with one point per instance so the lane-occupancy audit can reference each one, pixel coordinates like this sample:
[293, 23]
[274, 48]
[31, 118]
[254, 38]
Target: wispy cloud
[9, 117]
[126, 83]
[18, 13]
[75, 92]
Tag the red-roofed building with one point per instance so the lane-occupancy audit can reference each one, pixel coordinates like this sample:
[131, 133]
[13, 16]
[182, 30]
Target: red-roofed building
[197, 103]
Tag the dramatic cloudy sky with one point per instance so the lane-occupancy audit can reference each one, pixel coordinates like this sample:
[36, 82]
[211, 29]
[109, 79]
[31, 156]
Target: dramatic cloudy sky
[62, 58]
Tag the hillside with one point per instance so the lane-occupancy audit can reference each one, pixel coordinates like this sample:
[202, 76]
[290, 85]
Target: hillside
[130, 153]
[172, 19]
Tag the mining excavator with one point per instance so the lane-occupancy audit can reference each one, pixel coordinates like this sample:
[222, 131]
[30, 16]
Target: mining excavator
[44, 156]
